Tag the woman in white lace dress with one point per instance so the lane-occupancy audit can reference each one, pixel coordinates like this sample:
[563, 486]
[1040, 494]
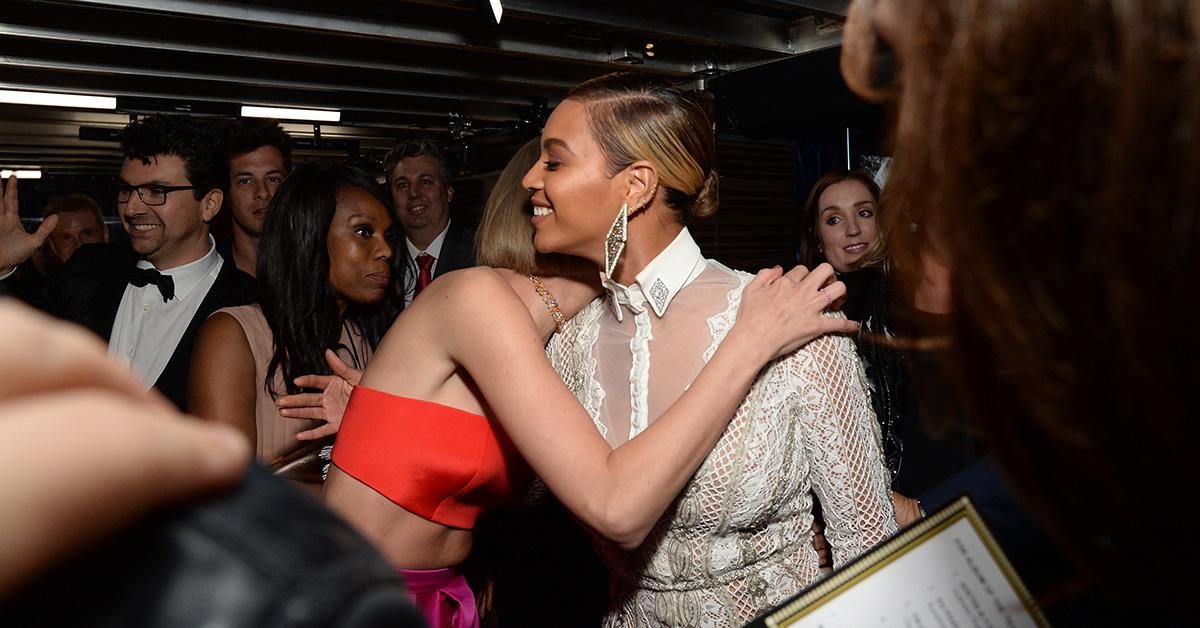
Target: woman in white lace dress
[738, 539]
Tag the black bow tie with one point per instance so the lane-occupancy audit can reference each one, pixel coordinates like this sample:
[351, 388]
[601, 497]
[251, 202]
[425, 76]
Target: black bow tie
[144, 276]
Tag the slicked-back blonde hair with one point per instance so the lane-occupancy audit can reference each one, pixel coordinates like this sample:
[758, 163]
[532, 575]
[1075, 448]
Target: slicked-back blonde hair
[505, 235]
[637, 117]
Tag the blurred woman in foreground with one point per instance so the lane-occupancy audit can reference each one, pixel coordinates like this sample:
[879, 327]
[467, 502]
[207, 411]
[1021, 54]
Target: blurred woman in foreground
[1048, 149]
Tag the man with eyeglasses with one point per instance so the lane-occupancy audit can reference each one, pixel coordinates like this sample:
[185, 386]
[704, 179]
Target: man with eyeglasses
[149, 299]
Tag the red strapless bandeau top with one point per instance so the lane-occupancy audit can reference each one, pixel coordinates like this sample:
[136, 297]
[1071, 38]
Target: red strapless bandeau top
[440, 463]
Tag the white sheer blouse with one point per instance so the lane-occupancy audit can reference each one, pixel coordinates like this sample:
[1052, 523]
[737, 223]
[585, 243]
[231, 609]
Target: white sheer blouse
[738, 539]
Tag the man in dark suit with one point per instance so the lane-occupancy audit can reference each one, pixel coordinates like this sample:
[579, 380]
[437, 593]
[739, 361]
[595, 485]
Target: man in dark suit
[148, 301]
[419, 182]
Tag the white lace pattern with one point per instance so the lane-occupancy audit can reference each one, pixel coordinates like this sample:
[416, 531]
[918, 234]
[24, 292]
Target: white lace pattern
[738, 539]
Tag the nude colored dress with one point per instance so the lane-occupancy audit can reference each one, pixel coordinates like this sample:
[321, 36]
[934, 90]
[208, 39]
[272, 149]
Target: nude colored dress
[276, 434]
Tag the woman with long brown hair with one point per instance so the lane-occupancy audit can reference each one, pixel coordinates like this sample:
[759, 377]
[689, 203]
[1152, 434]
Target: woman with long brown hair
[838, 222]
[1048, 151]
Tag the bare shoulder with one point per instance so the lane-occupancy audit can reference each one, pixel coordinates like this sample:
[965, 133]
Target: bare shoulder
[222, 343]
[479, 305]
[472, 290]
[222, 366]
[222, 327]
[476, 277]
[222, 385]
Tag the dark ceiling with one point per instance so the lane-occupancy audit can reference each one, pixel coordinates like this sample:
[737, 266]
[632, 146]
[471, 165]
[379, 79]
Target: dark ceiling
[395, 68]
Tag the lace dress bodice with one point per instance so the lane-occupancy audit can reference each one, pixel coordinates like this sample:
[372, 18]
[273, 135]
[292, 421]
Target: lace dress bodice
[738, 539]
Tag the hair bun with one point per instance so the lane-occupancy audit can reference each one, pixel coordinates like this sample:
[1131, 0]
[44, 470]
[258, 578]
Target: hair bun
[708, 198]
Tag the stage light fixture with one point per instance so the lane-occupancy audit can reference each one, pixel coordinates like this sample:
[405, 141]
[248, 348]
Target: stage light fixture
[53, 99]
[21, 174]
[288, 113]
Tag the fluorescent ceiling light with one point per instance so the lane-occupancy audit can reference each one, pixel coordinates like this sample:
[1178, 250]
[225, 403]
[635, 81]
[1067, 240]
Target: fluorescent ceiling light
[497, 10]
[21, 174]
[51, 99]
[284, 113]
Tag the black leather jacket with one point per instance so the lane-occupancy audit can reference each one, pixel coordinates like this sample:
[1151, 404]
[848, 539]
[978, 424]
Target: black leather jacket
[262, 555]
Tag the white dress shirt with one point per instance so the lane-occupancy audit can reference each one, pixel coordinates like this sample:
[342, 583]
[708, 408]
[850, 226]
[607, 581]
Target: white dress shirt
[434, 250]
[146, 331]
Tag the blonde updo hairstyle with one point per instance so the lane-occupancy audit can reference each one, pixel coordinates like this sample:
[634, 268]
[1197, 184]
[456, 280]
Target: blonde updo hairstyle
[636, 117]
[505, 235]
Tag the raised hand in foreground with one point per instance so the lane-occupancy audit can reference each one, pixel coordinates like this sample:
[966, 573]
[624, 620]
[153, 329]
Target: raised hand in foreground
[16, 245]
[88, 444]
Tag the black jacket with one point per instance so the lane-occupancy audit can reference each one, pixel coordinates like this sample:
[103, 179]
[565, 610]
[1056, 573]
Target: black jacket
[262, 555]
[25, 284]
[88, 291]
[458, 249]
[457, 252]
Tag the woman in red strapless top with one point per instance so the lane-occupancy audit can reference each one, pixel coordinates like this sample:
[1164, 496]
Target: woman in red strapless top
[428, 438]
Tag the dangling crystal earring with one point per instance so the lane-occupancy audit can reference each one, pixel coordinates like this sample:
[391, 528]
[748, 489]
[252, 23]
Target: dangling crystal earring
[614, 243]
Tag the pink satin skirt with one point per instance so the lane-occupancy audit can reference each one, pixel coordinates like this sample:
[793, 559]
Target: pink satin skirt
[443, 597]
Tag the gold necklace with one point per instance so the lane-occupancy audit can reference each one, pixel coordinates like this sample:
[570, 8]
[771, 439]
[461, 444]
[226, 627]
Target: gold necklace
[551, 303]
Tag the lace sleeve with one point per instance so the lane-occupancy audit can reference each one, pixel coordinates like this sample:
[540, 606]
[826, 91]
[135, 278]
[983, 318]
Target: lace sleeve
[843, 443]
[570, 354]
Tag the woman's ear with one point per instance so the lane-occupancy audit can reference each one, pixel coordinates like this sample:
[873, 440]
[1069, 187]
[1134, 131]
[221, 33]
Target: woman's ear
[642, 185]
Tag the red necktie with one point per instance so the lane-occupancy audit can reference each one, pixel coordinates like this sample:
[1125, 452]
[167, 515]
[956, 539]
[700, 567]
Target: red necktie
[425, 274]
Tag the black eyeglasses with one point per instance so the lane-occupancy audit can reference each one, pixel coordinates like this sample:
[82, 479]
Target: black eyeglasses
[150, 193]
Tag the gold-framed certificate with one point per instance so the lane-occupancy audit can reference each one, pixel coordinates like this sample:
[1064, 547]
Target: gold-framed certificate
[947, 570]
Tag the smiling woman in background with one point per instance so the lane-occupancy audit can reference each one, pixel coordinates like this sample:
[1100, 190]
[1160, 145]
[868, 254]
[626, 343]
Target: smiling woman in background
[838, 222]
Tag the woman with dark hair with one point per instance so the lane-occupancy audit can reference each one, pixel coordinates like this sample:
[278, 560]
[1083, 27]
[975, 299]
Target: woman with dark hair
[1048, 151]
[327, 279]
[838, 223]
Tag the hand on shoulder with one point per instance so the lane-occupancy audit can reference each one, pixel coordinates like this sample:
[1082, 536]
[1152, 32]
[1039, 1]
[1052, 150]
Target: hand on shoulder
[783, 312]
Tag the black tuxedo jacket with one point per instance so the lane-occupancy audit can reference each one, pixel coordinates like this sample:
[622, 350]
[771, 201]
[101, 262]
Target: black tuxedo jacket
[88, 291]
